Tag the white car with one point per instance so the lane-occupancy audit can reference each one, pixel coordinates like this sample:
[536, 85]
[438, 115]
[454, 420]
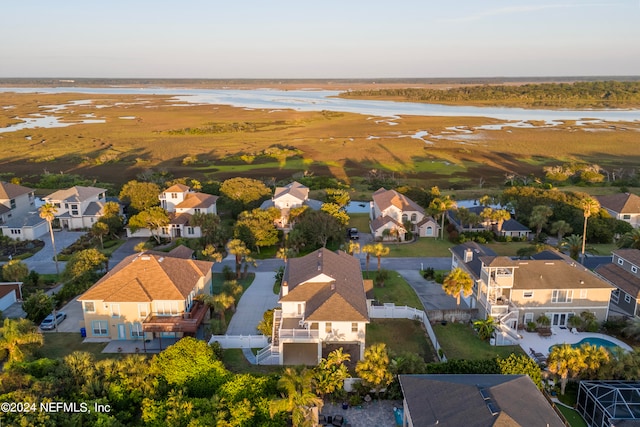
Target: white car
[48, 322]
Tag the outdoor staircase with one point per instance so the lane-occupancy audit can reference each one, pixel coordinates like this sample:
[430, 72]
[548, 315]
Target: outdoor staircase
[275, 333]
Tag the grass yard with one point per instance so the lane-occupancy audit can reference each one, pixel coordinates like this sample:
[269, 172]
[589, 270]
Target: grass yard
[423, 247]
[459, 341]
[235, 361]
[401, 335]
[217, 281]
[359, 221]
[507, 248]
[572, 416]
[397, 291]
[59, 344]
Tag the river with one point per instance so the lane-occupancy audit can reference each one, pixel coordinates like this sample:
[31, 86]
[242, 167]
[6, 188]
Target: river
[318, 100]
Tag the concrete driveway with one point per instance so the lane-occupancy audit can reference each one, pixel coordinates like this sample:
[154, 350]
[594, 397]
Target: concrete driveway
[257, 299]
[42, 262]
[429, 292]
[74, 318]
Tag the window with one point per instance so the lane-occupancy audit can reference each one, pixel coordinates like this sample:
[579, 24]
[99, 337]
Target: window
[16, 231]
[13, 203]
[562, 295]
[527, 294]
[100, 327]
[583, 294]
[57, 205]
[405, 218]
[528, 317]
[327, 327]
[429, 231]
[620, 261]
[615, 295]
[167, 308]
[414, 217]
[136, 330]
[354, 327]
[190, 230]
[626, 217]
[634, 269]
[197, 210]
[627, 298]
[89, 307]
[174, 195]
[143, 310]
[115, 310]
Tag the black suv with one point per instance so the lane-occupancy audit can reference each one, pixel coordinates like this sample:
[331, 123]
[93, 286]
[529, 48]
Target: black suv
[353, 234]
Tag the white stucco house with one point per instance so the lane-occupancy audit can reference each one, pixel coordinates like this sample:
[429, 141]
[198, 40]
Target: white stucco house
[390, 210]
[323, 306]
[19, 218]
[78, 207]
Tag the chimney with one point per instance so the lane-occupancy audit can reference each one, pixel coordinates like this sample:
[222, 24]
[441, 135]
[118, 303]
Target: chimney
[333, 286]
[468, 255]
[285, 288]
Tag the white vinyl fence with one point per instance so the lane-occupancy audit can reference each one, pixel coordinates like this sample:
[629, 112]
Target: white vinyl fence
[392, 311]
[240, 341]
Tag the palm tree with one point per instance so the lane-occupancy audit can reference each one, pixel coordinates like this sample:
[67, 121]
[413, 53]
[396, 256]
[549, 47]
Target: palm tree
[589, 207]
[297, 397]
[374, 369]
[238, 248]
[565, 361]
[500, 216]
[440, 206]
[48, 212]
[378, 250]
[15, 334]
[458, 281]
[630, 239]
[594, 357]
[561, 227]
[539, 217]
[354, 247]
[572, 243]
[485, 328]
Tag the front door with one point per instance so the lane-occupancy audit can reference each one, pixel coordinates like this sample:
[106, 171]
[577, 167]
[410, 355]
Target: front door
[122, 331]
[559, 319]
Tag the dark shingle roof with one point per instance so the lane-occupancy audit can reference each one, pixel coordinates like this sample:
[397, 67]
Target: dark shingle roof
[475, 265]
[330, 283]
[513, 225]
[631, 255]
[455, 400]
[11, 191]
[620, 278]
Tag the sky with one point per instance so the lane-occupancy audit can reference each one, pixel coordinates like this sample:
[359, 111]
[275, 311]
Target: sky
[279, 39]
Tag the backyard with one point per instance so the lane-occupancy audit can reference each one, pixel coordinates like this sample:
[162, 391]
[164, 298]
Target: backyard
[459, 341]
[61, 344]
[400, 336]
[396, 290]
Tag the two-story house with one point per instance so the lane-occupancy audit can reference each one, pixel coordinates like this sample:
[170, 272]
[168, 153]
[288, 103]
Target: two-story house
[78, 207]
[623, 273]
[148, 295]
[291, 196]
[323, 307]
[515, 292]
[623, 206]
[19, 218]
[181, 203]
[391, 210]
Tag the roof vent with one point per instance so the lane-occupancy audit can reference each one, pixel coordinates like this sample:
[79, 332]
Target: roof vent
[145, 257]
[161, 259]
[582, 282]
[333, 286]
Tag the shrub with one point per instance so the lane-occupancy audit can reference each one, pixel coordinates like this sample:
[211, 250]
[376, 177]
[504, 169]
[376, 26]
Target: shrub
[429, 273]
[228, 273]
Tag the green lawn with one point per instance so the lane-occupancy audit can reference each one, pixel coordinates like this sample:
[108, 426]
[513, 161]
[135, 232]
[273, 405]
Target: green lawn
[572, 416]
[401, 335]
[507, 248]
[459, 341]
[396, 290]
[359, 221]
[235, 361]
[217, 281]
[59, 344]
[422, 247]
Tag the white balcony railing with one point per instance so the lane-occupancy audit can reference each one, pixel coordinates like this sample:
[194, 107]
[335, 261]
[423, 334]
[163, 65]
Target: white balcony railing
[299, 333]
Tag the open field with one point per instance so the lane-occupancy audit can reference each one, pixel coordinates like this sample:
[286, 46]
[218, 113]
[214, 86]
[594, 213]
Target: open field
[144, 132]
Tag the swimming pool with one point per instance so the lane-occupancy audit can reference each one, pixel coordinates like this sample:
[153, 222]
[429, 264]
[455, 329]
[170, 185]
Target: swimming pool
[600, 342]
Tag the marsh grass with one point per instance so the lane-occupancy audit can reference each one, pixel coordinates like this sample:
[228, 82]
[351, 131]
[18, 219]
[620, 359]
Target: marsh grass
[325, 144]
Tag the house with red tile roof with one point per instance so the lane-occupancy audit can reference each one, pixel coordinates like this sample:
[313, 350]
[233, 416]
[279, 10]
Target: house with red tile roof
[148, 295]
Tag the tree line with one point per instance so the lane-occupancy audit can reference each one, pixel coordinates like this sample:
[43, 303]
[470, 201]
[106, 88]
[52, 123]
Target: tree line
[578, 94]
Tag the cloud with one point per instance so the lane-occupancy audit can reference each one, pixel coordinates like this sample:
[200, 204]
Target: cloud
[519, 9]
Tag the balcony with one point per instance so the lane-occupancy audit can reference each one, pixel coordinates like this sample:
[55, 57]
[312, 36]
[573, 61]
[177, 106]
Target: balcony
[188, 322]
[294, 328]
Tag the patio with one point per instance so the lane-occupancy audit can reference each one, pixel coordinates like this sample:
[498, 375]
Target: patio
[532, 340]
[155, 345]
[374, 413]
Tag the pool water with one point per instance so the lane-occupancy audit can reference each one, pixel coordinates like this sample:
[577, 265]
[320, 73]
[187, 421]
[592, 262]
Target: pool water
[600, 342]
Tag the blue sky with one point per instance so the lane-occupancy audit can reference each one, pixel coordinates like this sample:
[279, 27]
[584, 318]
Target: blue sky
[319, 39]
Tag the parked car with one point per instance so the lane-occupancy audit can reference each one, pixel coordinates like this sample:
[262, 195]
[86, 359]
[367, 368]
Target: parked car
[48, 323]
[353, 234]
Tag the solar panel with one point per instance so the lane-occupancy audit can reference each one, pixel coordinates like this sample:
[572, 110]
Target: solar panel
[485, 393]
[493, 408]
